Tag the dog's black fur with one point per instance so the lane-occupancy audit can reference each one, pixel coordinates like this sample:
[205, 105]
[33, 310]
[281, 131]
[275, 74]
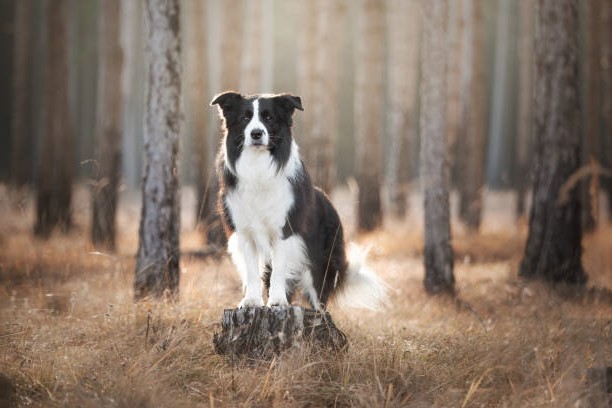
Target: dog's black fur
[312, 215]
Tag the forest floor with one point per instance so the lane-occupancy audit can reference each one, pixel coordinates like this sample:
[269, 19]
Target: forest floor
[71, 334]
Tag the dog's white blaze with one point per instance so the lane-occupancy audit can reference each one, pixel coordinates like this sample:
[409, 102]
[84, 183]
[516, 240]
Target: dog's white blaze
[255, 124]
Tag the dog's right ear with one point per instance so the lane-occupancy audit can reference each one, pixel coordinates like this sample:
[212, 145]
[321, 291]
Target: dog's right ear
[226, 101]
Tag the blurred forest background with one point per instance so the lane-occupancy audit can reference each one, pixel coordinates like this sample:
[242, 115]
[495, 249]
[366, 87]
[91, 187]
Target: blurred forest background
[311, 49]
[478, 76]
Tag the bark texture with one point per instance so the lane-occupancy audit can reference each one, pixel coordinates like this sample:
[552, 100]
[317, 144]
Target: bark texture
[157, 264]
[54, 186]
[108, 126]
[262, 333]
[369, 93]
[553, 251]
[472, 111]
[403, 37]
[439, 275]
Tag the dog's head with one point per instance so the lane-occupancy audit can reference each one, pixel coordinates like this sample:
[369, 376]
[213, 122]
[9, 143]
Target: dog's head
[257, 122]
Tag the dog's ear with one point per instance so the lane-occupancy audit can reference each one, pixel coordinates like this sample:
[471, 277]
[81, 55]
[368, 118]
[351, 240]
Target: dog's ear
[227, 101]
[290, 102]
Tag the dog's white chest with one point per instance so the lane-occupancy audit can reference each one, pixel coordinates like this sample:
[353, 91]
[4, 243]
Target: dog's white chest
[261, 201]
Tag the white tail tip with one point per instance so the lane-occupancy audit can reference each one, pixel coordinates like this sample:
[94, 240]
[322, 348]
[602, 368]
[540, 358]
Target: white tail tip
[362, 288]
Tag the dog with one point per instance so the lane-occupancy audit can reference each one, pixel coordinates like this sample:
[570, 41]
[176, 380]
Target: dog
[280, 228]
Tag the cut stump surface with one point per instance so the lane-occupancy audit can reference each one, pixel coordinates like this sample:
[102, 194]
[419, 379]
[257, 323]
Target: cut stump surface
[261, 333]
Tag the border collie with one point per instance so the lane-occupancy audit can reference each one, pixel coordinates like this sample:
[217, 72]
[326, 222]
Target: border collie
[281, 229]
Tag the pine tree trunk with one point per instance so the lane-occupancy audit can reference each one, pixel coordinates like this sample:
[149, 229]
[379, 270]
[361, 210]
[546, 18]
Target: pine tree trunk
[231, 41]
[369, 94]
[84, 74]
[472, 112]
[589, 187]
[157, 264]
[553, 251]
[196, 109]
[134, 70]
[403, 30]
[323, 112]
[456, 45]
[250, 76]
[20, 156]
[434, 150]
[54, 187]
[108, 126]
[305, 69]
[525, 105]
[606, 74]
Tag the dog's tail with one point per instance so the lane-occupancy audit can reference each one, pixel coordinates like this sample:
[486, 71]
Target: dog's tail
[361, 287]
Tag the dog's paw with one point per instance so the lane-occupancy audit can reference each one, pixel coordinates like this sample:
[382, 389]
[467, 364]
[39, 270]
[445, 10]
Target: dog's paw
[277, 301]
[250, 302]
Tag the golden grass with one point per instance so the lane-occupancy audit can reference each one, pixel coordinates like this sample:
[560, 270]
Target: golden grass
[71, 335]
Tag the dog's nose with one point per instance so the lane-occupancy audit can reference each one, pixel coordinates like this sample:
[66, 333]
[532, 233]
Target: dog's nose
[256, 134]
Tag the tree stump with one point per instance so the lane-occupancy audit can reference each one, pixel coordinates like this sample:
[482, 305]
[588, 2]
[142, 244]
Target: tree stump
[261, 333]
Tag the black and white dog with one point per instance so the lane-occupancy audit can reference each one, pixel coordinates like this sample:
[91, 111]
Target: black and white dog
[280, 228]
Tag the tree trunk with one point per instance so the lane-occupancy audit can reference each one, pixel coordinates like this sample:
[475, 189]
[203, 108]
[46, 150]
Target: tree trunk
[84, 75]
[369, 94]
[196, 108]
[472, 112]
[434, 150]
[589, 187]
[21, 148]
[262, 333]
[502, 122]
[134, 70]
[403, 31]
[322, 117]
[525, 105]
[553, 251]
[108, 126]
[305, 69]
[250, 76]
[606, 74]
[456, 46]
[157, 264]
[231, 38]
[54, 187]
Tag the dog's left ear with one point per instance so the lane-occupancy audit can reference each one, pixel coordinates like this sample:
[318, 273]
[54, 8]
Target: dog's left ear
[290, 102]
[226, 100]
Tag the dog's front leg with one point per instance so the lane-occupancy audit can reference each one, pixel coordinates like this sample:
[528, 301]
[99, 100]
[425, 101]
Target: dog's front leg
[288, 260]
[244, 257]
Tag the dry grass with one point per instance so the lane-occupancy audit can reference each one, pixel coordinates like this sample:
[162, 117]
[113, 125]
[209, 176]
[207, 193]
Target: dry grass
[70, 334]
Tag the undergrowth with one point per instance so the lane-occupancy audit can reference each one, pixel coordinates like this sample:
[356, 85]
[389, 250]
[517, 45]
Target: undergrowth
[71, 334]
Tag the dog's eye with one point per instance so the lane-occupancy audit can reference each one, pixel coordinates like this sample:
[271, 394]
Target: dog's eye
[267, 117]
[247, 116]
